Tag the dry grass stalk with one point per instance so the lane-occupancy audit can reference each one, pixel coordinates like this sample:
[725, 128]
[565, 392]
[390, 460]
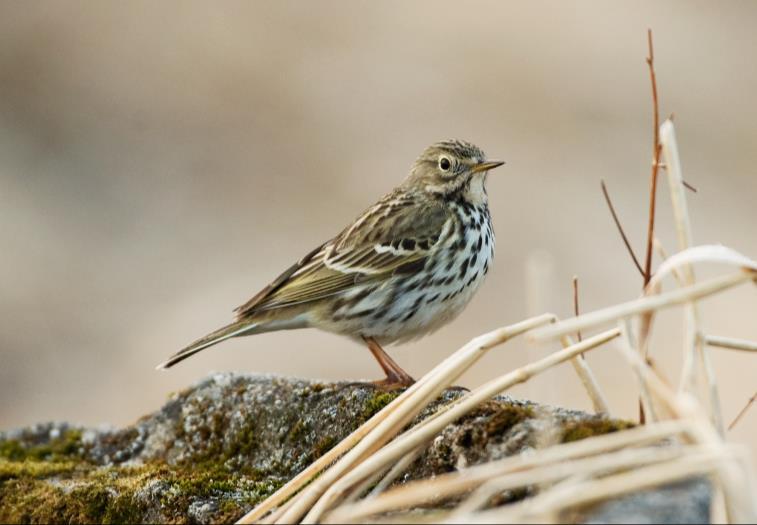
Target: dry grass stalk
[396, 471]
[696, 351]
[663, 255]
[731, 343]
[404, 408]
[431, 427]
[645, 304]
[584, 469]
[567, 496]
[454, 483]
[589, 382]
[444, 373]
[627, 339]
[736, 479]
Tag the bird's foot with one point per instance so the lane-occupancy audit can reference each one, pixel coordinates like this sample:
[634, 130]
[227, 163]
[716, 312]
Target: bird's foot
[394, 382]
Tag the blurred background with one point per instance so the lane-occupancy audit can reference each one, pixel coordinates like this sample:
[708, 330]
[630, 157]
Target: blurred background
[161, 162]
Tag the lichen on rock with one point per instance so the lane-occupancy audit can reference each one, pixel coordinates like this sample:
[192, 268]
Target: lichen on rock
[216, 449]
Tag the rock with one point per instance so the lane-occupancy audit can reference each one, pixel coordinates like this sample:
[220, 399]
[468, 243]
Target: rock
[218, 448]
[685, 502]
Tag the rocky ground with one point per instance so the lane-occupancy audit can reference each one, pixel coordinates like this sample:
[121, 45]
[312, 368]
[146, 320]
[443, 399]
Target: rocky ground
[216, 449]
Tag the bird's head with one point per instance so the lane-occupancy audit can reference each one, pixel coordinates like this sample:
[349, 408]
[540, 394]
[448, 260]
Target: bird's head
[452, 168]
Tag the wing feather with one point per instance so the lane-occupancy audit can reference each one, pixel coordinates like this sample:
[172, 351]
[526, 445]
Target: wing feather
[385, 243]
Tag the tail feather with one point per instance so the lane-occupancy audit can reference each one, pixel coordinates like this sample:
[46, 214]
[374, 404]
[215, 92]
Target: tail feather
[228, 331]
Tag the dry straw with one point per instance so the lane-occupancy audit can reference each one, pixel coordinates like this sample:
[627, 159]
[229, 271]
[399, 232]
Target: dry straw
[353, 482]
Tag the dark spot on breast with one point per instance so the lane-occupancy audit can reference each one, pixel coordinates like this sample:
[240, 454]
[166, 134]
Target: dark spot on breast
[412, 286]
[432, 298]
[414, 308]
[463, 268]
[449, 280]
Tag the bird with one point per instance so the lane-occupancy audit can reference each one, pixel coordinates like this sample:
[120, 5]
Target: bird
[405, 267]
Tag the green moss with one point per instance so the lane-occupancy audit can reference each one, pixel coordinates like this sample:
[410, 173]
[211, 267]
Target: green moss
[42, 492]
[244, 444]
[323, 446]
[576, 430]
[82, 498]
[297, 430]
[67, 446]
[506, 417]
[378, 401]
[34, 469]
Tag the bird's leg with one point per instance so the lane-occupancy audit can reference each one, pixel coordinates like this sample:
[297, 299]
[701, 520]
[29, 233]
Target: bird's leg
[395, 376]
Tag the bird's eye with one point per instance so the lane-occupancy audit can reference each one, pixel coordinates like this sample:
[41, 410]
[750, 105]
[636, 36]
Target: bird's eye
[444, 164]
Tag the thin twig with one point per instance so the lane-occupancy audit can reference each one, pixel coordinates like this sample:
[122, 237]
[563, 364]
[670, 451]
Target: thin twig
[620, 228]
[656, 149]
[743, 411]
[582, 367]
[576, 311]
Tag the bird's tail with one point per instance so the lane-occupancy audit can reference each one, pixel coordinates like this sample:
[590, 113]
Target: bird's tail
[242, 327]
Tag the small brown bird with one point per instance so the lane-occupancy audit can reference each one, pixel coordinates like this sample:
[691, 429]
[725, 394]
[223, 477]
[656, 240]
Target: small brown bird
[408, 265]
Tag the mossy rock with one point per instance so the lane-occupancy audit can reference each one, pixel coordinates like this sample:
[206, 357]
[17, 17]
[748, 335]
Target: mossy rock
[218, 448]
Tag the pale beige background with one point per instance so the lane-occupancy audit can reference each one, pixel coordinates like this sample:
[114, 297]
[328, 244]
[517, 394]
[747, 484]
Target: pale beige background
[161, 161]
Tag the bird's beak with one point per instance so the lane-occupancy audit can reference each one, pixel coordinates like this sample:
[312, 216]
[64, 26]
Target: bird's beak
[486, 166]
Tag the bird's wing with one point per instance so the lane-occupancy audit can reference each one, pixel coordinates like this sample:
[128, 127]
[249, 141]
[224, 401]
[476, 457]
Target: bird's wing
[394, 236]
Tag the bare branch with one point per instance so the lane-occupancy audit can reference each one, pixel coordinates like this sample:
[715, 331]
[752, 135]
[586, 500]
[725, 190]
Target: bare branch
[743, 411]
[575, 304]
[620, 228]
[656, 149]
